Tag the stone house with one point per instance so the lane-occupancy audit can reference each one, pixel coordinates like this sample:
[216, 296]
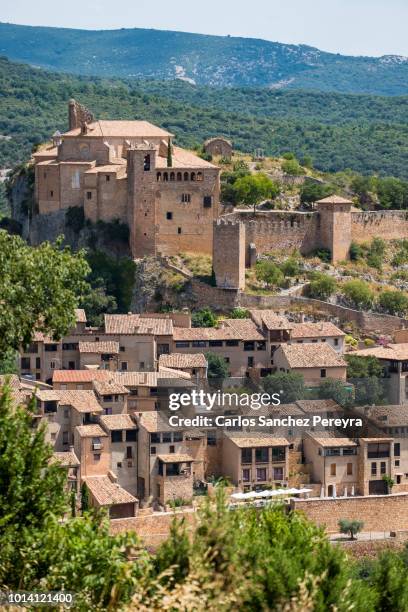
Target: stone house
[394, 359]
[122, 430]
[253, 460]
[218, 147]
[315, 362]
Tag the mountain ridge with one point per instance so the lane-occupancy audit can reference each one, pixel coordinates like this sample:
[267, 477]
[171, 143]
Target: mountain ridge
[218, 61]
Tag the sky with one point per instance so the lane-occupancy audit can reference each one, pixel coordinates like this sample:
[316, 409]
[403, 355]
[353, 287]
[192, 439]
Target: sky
[351, 27]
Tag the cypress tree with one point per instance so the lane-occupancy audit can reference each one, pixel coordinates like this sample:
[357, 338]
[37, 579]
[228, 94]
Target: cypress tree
[169, 154]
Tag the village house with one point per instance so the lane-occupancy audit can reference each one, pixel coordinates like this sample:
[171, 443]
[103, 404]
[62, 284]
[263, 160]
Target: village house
[132, 172]
[315, 362]
[254, 461]
[122, 430]
[194, 364]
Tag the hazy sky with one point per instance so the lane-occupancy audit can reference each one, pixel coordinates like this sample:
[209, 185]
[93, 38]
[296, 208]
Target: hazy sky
[355, 27]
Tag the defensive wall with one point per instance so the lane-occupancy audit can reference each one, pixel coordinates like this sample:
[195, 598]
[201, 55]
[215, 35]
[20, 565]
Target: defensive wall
[379, 512]
[271, 230]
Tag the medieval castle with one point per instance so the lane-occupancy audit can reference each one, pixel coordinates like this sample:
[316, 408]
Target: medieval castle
[170, 199]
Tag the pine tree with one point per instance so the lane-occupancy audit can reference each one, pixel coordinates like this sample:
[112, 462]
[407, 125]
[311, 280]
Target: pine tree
[169, 154]
[84, 498]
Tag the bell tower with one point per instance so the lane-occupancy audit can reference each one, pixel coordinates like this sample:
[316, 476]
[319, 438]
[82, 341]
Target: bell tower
[141, 171]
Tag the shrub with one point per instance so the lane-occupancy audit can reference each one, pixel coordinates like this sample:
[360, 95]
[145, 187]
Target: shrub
[394, 302]
[292, 167]
[356, 251]
[239, 313]
[352, 527]
[289, 385]
[290, 267]
[335, 390]
[217, 367]
[322, 287]
[204, 318]
[269, 273]
[359, 294]
[75, 218]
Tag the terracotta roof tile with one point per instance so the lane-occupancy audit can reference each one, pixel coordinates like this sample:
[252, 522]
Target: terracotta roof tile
[393, 352]
[79, 376]
[324, 329]
[175, 458]
[270, 319]
[81, 401]
[334, 199]
[109, 388]
[135, 324]
[67, 458]
[124, 129]
[117, 421]
[108, 347]
[108, 493]
[155, 421]
[310, 356]
[91, 431]
[180, 360]
[254, 439]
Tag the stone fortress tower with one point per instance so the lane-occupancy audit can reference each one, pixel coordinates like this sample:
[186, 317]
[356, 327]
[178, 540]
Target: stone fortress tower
[229, 254]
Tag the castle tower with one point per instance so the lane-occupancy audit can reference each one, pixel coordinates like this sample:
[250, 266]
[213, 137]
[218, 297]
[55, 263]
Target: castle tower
[335, 226]
[141, 166]
[229, 254]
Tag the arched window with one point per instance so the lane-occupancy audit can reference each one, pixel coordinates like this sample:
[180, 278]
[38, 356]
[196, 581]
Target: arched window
[146, 163]
[159, 176]
[179, 176]
[165, 176]
[172, 176]
[186, 176]
[199, 176]
[193, 176]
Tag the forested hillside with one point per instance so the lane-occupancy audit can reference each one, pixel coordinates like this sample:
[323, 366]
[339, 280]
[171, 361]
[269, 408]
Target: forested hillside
[366, 133]
[223, 61]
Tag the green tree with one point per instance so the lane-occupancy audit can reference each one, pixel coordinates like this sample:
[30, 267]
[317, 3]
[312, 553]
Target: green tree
[359, 294]
[39, 289]
[204, 318]
[289, 385]
[394, 302]
[351, 527]
[9, 362]
[254, 189]
[335, 390]
[118, 274]
[363, 367]
[389, 582]
[217, 367]
[269, 273]
[85, 505]
[292, 167]
[239, 313]
[32, 488]
[169, 154]
[290, 267]
[311, 192]
[322, 286]
[96, 303]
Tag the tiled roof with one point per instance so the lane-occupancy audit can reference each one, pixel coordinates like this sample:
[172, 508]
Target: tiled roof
[175, 458]
[117, 421]
[155, 421]
[79, 376]
[389, 416]
[334, 199]
[311, 356]
[91, 431]
[331, 439]
[245, 328]
[315, 330]
[319, 405]
[67, 458]
[80, 315]
[124, 129]
[82, 401]
[148, 379]
[135, 324]
[269, 319]
[254, 439]
[12, 379]
[209, 333]
[109, 388]
[397, 352]
[109, 347]
[182, 159]
[108, 493]
[180, 360]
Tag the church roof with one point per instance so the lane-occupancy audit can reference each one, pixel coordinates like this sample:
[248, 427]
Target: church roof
[121, 129]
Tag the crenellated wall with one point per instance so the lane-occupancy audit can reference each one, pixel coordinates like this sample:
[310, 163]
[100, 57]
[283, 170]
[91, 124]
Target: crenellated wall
[386, 224]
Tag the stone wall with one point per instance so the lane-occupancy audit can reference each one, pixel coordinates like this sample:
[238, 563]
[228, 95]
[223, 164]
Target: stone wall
[386, 224]
[379, 512]
[152, 528]
[273, 230]
[229, 236]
